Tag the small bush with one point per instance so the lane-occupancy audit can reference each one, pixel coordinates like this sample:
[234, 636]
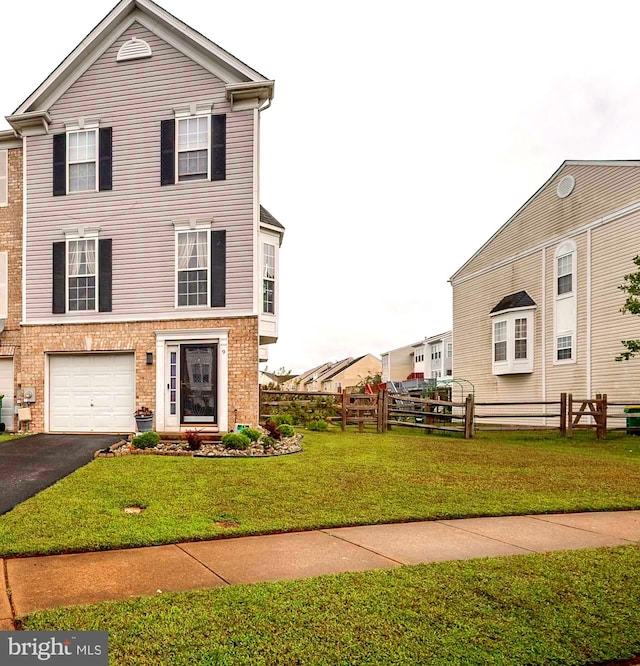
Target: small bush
[318, 425]
[272, 428]
[194, 439]
[286, 430]
[146, 440]
[269, 442]
[279, 419]
[236, 440]
[252, 434]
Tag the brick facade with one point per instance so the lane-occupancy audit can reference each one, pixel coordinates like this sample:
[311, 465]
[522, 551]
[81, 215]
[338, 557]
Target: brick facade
[11, 242]
[139, 337]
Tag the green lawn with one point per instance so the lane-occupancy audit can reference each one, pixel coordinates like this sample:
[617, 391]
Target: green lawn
[339, 479]
[566, 608]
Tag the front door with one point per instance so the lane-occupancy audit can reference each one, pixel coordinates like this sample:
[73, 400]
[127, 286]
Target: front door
[198, 385]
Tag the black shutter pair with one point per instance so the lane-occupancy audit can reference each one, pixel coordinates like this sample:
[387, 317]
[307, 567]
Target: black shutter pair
[104, 276]
[105, 161]
[218, 155]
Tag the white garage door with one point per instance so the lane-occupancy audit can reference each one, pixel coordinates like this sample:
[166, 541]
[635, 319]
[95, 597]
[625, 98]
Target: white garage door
[6, 387]
[91, 393]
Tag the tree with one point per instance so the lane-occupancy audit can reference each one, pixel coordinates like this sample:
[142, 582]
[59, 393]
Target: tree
[632, 305]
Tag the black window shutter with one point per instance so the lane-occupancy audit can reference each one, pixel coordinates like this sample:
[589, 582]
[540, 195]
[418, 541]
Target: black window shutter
[105, 177]
[168, 152]
[218, 268]
[59, 275]
[105, 275]
[59, 165]
[219, 146]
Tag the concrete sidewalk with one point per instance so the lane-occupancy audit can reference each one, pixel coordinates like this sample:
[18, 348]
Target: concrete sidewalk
[37, 583]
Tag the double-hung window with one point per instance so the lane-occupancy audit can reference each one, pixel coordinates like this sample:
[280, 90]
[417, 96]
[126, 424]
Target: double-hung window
[82, 272]
[82, 157]
[268, 278]
[193, 148]
[499, 341]
[564, 348]
[520, 338]
[193, 268]
[565, 274]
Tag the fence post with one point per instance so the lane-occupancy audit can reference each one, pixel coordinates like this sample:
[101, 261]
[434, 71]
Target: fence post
[604, 409]
[570, 416]
[379, 420]
[345, 400]
[387, 408]
[563, 414]
[598, 417]
[468, 417]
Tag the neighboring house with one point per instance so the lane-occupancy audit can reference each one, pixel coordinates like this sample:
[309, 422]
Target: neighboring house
[537, 309]
[149, 270]
[299, 382]
[272, 379]
[430, 358]
[350, 373]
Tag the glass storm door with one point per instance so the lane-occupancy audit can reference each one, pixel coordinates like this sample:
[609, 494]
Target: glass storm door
[198, 383]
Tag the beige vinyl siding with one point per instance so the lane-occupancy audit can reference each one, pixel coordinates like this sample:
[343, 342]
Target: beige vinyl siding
[599, 190]
[613, 248]
[473, 335]
[133, 97]
[400, 364]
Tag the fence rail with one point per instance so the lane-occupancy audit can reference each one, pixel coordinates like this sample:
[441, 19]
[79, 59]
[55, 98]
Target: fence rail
[386, 410]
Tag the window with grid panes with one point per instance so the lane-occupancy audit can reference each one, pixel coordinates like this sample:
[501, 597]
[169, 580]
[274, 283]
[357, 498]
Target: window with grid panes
[82, 156]
[81, 269]
[193, 268]
[193, 148]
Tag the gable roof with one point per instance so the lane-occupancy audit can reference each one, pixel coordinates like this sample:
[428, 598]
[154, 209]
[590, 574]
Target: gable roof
[518, 300]
[566, 163]
[238, 75]
[338, 368]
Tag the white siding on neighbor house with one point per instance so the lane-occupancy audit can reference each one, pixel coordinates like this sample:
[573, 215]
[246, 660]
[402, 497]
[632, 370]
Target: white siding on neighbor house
[133, 97]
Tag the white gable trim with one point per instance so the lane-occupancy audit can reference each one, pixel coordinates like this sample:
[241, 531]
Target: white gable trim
[157, 20]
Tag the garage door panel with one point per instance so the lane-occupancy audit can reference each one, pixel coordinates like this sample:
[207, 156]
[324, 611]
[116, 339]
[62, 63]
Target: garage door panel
[92, 393]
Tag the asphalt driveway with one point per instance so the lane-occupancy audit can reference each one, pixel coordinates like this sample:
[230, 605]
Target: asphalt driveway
[31, 464]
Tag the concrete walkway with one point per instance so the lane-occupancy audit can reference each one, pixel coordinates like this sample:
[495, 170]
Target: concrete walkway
[37, 583]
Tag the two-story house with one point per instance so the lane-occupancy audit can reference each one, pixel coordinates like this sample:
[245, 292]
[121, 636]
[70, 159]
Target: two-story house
[141, 267]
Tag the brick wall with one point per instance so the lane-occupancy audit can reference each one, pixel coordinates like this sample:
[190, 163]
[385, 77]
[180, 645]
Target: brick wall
[140, 338]
[11, 242]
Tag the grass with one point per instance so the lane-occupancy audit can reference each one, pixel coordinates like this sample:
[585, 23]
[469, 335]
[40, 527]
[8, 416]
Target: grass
[339, 479]
[561, 608]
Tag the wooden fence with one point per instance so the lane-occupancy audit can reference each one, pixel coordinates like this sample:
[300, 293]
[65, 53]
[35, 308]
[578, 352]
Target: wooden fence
[386, 410]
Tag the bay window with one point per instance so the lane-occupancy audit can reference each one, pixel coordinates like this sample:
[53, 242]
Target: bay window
[268, 278]
[513, 342]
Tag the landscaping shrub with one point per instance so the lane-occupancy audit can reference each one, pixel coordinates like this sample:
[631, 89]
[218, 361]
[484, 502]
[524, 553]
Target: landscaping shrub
[269, 442]
[194, 439]
[319, 425]
[279, 419]
[252, 434]
[272, 428]
[286, 430]
[236, 440]
[146, 440]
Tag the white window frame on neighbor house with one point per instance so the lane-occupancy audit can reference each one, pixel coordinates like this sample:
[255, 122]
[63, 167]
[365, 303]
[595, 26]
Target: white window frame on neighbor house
[436, 351]
[265, 276]
[565, 303]
[449, 349]
[507, 322]
[95, 161]
[189, 149]
[563, 337]
[4, 178]
[90, 236]
[187, 228]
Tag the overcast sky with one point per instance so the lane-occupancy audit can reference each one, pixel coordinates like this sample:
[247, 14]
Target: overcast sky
[401, 136]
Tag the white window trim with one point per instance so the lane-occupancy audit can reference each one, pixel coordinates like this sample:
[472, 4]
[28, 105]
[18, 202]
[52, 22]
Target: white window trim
[180, 229]
[81, 234]
[275, 276]
[512, 365]
[97, 160]
[565, 248]
[4, 182]
[564, 361]
[177, 143]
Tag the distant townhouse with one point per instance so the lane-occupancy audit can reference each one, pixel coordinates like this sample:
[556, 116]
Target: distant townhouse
[430, 358]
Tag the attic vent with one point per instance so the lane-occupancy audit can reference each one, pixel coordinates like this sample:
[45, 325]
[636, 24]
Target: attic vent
[565, 186]
[134, 49]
